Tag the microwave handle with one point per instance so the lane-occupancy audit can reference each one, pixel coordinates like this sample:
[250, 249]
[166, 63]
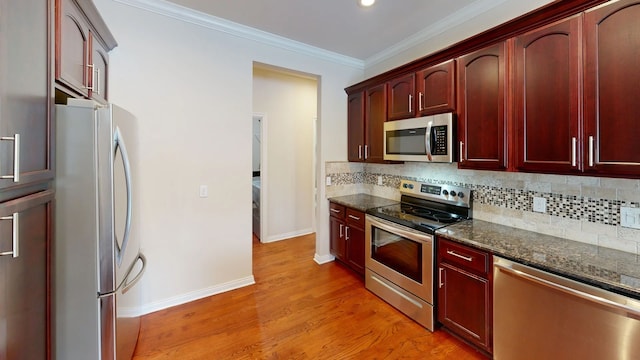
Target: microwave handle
[427, 141]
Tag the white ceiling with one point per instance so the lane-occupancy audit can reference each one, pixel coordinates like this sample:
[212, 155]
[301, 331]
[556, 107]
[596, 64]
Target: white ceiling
[342, 26]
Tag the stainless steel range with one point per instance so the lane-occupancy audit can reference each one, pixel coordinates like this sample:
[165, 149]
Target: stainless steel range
[400, 245]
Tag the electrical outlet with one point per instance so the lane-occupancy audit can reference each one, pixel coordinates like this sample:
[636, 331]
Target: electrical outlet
[204, 191]
[328, 180]
[539, 204]
[380, 180]
[630, 217]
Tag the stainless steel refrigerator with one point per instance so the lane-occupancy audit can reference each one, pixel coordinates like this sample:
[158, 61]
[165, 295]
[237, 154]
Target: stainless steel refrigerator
[97, 259]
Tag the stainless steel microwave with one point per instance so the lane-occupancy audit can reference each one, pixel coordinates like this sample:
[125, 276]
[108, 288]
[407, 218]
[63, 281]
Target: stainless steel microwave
[427, 138]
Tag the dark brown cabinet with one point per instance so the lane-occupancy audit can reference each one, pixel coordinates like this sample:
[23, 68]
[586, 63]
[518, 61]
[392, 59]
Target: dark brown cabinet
[401, 97]
[82, 43]
[347, 236]
[612, 89]
[356, 126]
[482, 109]
[464, 293]
[375, 116]
[367, 112]
[435, 88]
[25, 101]
[25, 238]
[26, 169]
[547, 77]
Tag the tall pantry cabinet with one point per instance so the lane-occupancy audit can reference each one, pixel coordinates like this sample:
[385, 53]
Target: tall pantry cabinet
[26, 174]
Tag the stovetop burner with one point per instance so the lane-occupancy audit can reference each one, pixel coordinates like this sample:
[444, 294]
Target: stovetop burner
[427, 207]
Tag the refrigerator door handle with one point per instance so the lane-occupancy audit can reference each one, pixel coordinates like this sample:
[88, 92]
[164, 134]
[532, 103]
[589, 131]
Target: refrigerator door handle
[125, 285]
[119, 144]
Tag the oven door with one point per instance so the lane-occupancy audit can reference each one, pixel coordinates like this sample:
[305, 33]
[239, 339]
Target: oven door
[401, 255]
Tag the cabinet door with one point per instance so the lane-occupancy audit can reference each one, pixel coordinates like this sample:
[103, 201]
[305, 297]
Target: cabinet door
[25, 101]
[25, 228]
[612, 88]
[72, 47]
[355, 248]
[401, 100]
[436, 88]
[375, 115]
[482, 108]
[547, 97]
[336, 234]
[464, 305]
[99, 71]
[356, 128]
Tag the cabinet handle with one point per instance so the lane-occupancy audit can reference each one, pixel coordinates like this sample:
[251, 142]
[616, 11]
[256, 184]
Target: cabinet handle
[15, 239]
[354, 217]
[574, 143]
[90, 68]
[590, 151]
[346, 233]
[16, 157]
[97, 87]
[410, 102]
[440, 283]
[420, 97]
[359, 151]
[366, 152]
[341, 227]
[461, 147]
[453, 253]
[335, 211]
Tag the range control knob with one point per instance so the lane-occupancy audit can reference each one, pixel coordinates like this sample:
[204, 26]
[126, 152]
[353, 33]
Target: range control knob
[460, 195]
[445, 192]
[405, 186]
[453, 193]
[410, 186]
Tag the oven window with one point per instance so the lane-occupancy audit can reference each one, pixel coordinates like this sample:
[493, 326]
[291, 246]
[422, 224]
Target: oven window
[398, 253]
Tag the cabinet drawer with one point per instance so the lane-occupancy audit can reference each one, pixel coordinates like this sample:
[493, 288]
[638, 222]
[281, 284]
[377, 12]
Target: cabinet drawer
[336, 210]
[355, 218]
[465, 257]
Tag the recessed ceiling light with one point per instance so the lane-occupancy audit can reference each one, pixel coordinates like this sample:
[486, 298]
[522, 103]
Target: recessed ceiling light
[366, 2]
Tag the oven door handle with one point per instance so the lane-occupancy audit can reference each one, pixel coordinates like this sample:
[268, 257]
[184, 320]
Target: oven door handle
[399, 231]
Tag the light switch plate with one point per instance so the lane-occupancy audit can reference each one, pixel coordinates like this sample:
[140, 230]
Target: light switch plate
[630, 217]
[204, 191]
[380, 180]
[539, 204]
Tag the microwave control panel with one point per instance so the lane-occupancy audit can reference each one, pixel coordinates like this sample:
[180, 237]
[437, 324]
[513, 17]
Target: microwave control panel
[440, 137]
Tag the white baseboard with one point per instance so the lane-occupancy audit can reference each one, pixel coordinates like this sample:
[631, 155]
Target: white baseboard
[323, 259]
[289, 235]
[185, 298]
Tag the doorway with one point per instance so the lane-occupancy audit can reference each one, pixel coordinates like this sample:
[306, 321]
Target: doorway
[286, 104]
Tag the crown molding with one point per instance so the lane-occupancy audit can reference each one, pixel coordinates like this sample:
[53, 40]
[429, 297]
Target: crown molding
[447, 23]
[182, 13]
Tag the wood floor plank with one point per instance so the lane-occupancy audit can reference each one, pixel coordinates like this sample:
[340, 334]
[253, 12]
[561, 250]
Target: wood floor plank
[296, 310]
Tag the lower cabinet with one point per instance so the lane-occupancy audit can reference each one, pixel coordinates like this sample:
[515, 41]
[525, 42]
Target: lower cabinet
[464, 293]
[347, 236]
[25, 238]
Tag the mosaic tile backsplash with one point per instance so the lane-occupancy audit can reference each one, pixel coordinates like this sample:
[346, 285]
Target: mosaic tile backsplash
[584, 209]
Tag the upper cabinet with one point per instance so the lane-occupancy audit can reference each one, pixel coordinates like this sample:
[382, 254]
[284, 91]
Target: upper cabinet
[375, 116]
[547, 100]
[611, 89]
[428, 91]
[82, 44]
[25, 98]
[435, 86]
[482, 109]
[401, 97]
[356, 128]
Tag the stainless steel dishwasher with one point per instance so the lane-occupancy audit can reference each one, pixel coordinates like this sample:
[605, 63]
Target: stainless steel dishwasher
[538, 315]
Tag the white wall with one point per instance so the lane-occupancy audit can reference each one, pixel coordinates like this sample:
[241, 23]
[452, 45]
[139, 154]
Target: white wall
[191, 88]
[289, 103]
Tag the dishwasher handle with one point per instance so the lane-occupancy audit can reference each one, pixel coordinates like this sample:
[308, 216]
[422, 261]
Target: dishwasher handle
[504, 265]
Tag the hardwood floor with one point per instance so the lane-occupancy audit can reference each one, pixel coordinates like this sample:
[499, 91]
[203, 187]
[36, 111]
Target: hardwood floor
[296, 310]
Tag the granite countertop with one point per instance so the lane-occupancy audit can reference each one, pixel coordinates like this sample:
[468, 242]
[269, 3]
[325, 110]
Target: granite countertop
[610, 269]
[362, 202]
